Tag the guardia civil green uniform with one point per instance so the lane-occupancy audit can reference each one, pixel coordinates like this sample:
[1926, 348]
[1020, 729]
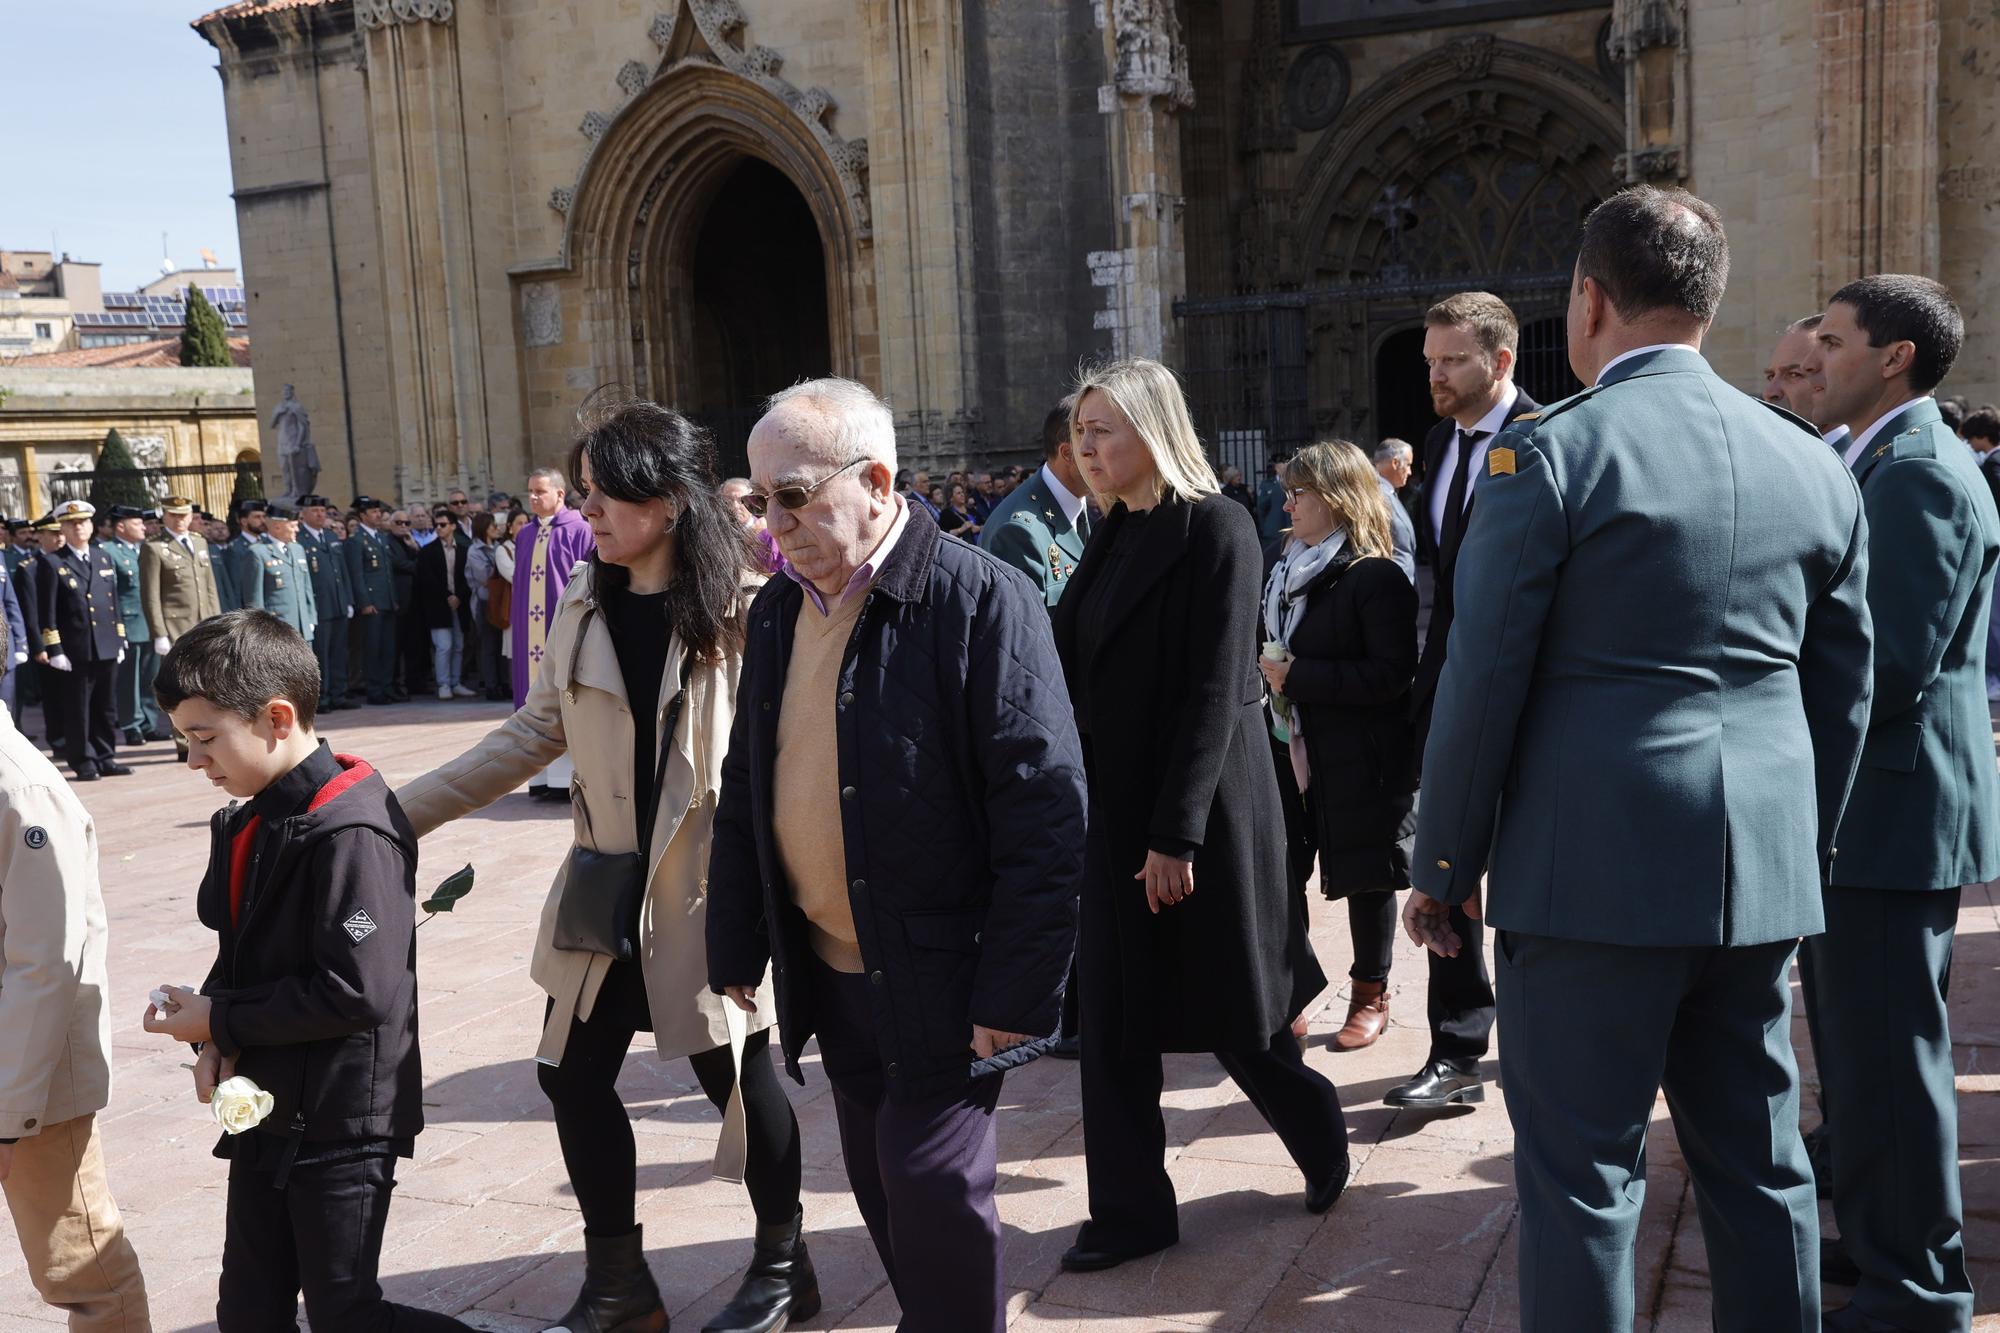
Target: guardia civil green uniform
[276, 576]
[1030, 531]
[223, 567]
[371, 579]
[1924, 821]
[1647, 725]
[138, 715]
[328, 563]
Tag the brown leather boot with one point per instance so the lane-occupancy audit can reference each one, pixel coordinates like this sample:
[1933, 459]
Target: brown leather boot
[1367, 1015]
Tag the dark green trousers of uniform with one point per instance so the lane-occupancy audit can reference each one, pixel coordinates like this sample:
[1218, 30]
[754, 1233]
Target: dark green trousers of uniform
[1589, 1033]
[1881, 973]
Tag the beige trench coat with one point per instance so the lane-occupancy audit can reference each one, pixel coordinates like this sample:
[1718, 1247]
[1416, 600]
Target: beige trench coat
[587, 717]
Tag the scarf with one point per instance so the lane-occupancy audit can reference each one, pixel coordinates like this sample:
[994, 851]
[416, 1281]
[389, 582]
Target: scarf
[1284, 608]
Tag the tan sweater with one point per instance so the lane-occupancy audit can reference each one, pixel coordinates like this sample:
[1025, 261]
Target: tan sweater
[805, 796]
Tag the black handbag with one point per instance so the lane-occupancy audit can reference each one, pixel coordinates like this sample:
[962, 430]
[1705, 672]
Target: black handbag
[604, 892]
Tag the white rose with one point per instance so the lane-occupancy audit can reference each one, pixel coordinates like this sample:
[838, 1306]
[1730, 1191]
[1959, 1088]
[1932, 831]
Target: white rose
[240, 1104]
[1274, 651]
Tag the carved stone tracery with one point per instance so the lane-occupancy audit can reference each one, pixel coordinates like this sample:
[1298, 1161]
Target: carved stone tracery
[387, 13]
[1152, 59]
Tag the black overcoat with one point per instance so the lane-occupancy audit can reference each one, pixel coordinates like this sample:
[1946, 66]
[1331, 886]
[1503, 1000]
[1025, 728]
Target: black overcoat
[1179, 760]
[1354, 654]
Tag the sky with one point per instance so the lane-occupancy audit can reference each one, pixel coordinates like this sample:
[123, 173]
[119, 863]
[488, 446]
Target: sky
[119, 108]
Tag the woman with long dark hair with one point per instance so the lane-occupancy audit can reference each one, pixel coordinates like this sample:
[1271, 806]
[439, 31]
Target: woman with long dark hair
[652, 631]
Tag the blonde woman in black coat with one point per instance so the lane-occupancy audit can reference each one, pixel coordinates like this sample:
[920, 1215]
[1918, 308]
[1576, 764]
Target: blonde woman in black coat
[1191, 939]
[1340, 633]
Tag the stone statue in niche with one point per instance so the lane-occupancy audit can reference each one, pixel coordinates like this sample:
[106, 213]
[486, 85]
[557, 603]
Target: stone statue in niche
[297, 458]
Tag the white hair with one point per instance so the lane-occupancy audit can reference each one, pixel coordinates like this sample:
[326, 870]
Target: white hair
[839, 418]
[1393, 448]
[553, 476]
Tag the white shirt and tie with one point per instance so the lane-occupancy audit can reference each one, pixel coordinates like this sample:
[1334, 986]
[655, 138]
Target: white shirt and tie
[1478, 439]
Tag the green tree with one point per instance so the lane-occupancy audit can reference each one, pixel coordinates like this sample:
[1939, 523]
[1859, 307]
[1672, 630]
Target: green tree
[249, 486]
[204, 337]
[118, 480]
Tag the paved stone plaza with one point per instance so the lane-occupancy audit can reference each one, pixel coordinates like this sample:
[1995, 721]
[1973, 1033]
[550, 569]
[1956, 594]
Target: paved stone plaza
[484, 1223]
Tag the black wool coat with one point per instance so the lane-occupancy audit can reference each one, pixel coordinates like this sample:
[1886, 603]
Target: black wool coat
[436, 584]
[961, 815]
[1179, 759]
[1354, 654]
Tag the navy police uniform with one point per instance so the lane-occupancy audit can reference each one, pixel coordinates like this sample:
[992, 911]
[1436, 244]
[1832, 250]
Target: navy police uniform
[83, 630]
[1648, 724]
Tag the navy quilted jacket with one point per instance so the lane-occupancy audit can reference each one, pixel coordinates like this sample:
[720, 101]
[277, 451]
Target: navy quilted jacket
[962, 814]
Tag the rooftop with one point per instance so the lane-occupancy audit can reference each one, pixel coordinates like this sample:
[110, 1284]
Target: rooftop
[154, 354]
[250, 8]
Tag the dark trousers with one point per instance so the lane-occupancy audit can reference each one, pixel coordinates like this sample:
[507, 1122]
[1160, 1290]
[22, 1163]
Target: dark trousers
[330, 648]
[51, 682]
[1371, 917]
[1881, 972]
[320, 1234]
[1594, 1032]
[89, 699]
[136, 715]
[1460, 996]
[495, 672]
[922, 1171]
[378, 654]
[414, 650]
[596, 1132]
[1132, 1204]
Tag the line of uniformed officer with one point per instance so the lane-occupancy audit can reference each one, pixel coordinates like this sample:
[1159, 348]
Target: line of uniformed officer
[370, 579]
[273, 573]
[139, 717]
[83, 637]
[326, 561]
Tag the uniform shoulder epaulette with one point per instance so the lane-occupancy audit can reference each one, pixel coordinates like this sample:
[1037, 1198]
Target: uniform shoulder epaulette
[1916, 442]
[1530, 421]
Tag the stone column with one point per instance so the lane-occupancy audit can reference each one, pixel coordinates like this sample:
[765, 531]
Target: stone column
[429, 284]
[1878, 149]
[921, 202]
[1649, 39]
[1147, 270]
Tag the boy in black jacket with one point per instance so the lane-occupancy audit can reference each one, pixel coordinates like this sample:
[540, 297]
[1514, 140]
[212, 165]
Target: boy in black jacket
[311, 886]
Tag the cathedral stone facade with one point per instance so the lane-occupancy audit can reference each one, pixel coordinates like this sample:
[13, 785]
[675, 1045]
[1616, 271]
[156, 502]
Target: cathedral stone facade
[460, 217]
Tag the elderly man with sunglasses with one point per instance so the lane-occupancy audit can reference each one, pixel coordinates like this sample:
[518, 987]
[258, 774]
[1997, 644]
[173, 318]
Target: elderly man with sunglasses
[899, 836]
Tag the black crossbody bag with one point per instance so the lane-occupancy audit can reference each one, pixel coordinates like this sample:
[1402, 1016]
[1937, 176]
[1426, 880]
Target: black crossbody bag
[604, 892]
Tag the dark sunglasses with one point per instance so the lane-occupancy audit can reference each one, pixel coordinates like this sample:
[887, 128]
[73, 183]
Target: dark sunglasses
[793, 497]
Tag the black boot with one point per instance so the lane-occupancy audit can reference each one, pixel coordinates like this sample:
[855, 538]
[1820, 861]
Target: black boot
[780, 1286]
[619, 1295]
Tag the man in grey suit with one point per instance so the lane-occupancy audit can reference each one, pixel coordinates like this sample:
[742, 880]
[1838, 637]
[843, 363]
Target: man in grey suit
[1925, 818]
[1392, 459]
[1659, 670]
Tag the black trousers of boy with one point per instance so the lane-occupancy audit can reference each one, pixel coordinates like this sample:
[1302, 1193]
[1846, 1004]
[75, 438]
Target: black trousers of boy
[320, 1234]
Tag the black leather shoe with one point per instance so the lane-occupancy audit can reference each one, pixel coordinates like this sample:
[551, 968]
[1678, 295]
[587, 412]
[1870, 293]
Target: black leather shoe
[111, 768]
[1321, 1197]
[87, 775]
[779, 1288]
[1439, 1083]
[1069, 1048]
[1835, 1264]
[1077, 1259]
[619, 1294]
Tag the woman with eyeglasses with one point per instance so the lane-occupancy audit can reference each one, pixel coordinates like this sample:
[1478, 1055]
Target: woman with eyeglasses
[1340, 651]
[637, 687]
[444, 592]
[1190, 939]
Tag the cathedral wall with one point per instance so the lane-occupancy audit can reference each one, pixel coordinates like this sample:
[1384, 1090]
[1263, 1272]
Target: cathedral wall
[1969, 186]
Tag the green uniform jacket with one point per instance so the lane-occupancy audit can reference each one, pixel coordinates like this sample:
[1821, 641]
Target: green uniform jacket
[177, 587]
[125, 559]
[1029, 531]
[275, 576]
[1658, 677]
[223, 567]
[1926, 807]
[370, 577]
[328, 563]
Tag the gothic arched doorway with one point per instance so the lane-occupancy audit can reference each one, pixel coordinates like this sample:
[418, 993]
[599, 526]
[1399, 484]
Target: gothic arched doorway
[1470, 167]
[757, 286]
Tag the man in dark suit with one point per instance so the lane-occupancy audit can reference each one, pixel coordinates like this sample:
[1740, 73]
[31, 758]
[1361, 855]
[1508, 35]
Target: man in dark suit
[1649, 724]
[85, 639]
[1925, 818]
[1469, 342]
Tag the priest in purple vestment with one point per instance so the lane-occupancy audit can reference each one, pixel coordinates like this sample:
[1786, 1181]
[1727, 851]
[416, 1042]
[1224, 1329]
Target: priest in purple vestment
[545, 553]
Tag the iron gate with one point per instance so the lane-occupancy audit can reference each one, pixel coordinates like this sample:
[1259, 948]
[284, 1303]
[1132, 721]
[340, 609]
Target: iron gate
[1245, 358]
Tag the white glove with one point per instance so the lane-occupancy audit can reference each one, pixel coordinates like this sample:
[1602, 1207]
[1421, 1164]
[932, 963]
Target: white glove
[350, 610]
[163, 645]
[60, 662]
[121, 654]
[20, 658]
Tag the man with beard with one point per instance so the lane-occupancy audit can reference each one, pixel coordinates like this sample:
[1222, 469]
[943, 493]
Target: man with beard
[1470, 341]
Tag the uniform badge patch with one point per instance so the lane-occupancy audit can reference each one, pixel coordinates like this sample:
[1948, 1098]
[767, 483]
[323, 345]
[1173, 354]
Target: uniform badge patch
[1499, 462]
[36, 837]
[359, 926]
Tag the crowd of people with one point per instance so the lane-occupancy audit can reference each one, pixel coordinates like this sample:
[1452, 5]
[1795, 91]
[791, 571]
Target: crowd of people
[1704, 677]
